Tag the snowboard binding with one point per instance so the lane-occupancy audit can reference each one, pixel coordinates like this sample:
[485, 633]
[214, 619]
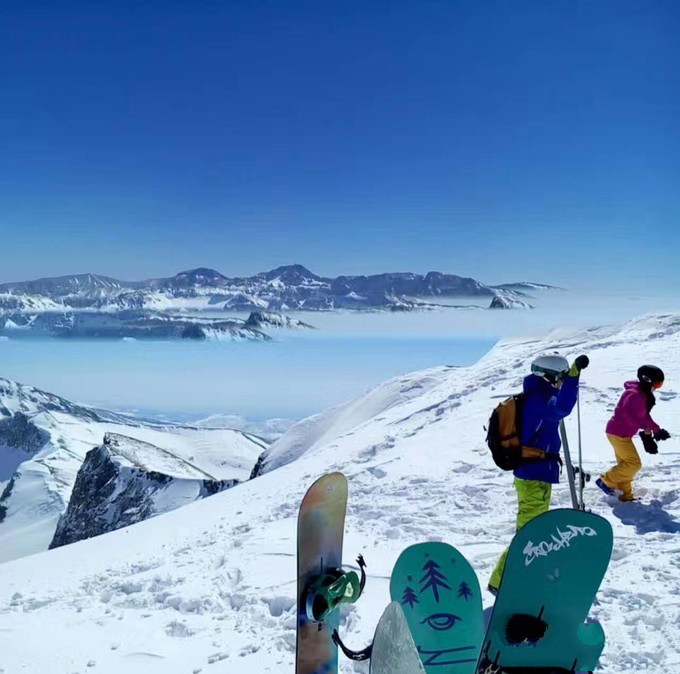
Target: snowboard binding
[523, 628]
[585, 477]
[356, 656]
[332, 588]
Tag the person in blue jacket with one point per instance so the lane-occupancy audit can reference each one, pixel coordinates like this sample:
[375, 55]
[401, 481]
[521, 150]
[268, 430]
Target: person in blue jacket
[550, 393]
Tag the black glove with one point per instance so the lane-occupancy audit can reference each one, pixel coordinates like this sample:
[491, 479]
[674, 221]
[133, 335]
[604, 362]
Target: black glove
[649, 443]
[582, 362]
[663, 434]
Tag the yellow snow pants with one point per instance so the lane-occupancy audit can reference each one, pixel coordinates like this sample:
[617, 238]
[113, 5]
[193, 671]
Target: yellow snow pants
[628, 465]
[533, 499]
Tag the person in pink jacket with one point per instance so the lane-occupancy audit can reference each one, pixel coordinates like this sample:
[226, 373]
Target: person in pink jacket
[633, 416]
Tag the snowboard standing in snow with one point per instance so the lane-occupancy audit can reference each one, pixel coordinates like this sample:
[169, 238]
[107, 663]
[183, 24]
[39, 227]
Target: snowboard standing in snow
[393, 650]
[321, 524]
[439, 593]
[554, 568]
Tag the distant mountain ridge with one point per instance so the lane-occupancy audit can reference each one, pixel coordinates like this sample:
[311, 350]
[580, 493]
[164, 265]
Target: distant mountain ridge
[289, 287]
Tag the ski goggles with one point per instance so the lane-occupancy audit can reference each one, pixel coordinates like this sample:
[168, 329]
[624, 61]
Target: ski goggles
[550, 375]
[657, 384]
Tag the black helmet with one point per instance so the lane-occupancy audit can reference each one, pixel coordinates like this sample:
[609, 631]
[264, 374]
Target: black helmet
[651, 375]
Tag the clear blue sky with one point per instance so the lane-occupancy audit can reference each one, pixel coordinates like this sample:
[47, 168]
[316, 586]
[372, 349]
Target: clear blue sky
[499, 139]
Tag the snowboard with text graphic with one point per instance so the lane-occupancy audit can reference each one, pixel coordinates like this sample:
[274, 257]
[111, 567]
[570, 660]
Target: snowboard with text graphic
[439, 594]
[554, 568]
[321, 524]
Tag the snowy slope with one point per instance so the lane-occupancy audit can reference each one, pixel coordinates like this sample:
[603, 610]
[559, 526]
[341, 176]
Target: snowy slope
[210, 587]
[39, 491]
[268, 429]
[27, 303]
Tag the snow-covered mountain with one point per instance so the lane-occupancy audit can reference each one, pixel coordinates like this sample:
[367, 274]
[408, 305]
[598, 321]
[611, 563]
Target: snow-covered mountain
[211, 587]
[26, 303]
[44, 440]
[290, 287]
[526, 286]
[268, 429]
[125, 481]
[128, 323]
[505, 299]
[267, 319]
[86, 286]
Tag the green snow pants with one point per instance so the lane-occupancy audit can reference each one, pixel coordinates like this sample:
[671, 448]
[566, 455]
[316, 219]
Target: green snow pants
[533, 499]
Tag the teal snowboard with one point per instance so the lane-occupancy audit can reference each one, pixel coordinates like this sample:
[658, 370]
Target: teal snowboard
[554, 568]
[394, 651]
[440, 596]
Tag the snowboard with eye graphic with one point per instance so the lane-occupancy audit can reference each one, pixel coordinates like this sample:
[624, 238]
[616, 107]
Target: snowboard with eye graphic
[439, 594]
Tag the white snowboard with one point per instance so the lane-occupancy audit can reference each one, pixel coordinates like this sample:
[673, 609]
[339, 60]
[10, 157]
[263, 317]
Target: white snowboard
[394, 651]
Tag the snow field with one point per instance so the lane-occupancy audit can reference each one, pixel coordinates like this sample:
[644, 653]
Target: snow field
[211, 587]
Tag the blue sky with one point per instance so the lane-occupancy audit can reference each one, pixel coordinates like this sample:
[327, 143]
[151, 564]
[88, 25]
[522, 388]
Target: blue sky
[496, 139]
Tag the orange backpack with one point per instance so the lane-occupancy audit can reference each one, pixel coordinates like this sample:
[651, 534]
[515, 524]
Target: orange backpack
[504, 436]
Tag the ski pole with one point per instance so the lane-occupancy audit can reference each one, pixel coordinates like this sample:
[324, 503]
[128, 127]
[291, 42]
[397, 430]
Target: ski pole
[570, 467]
[581, 474]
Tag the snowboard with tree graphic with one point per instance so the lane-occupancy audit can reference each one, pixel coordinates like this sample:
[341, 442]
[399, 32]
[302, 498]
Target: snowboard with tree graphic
[439, 594]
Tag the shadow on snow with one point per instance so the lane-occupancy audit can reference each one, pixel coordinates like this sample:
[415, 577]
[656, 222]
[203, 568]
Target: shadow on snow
[647, 517]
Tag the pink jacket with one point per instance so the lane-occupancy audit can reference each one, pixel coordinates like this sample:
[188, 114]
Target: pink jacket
[632, 413]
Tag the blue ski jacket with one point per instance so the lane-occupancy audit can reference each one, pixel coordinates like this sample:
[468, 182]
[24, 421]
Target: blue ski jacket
[544, 406]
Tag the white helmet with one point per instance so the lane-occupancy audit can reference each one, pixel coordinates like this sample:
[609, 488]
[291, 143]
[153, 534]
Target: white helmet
[551, 368]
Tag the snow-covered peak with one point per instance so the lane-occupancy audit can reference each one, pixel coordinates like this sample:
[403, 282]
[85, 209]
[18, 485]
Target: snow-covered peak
[293, 274]
[135, 453]
[44, 440]
[16, 397]
[125, 481]
[87, 285]
[258, 319]
[526, 286]
[202, 276]
[506, 299]
[451, 284]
